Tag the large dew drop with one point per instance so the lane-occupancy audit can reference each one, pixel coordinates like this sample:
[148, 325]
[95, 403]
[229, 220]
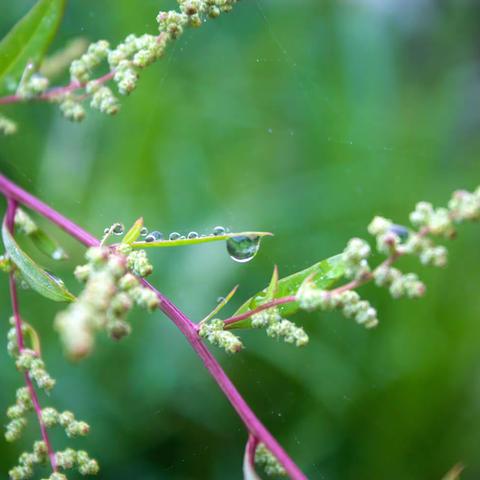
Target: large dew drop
[243, 248]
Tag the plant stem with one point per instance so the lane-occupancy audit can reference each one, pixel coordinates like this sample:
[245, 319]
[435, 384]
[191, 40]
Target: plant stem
[183, 323]
[10, 219]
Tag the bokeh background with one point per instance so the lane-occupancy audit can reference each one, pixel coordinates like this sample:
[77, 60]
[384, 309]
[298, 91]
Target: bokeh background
[304, 118]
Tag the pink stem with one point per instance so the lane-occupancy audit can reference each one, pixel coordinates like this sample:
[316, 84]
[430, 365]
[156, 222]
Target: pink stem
[55, 91]
[184, 324]
[250, 450]
[10, 219]
[265, 306]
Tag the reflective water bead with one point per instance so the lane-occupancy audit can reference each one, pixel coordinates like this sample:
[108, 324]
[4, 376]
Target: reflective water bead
[219, 231]
[106, 230]
[183, 237]
[154, 236]
[174, 236]
[243, 248]
[401, 231]
[144, 232]
[118, 229]
[193, 235]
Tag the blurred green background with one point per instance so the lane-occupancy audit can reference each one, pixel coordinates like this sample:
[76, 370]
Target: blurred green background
[304, 118]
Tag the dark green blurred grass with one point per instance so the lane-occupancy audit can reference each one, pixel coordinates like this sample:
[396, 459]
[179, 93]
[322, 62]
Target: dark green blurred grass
[302, 118]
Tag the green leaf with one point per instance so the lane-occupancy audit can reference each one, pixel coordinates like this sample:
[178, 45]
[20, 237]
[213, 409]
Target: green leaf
[28, 41]
[45, 243]
[41, 281]
[134, 232]
[48, 245]
[323, 274]
[220, 305]
[196, 241]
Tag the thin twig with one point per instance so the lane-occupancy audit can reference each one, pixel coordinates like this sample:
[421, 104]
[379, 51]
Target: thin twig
[10, 219]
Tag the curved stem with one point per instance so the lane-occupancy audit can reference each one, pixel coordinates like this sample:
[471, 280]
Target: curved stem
[10, 219]
[183, 323]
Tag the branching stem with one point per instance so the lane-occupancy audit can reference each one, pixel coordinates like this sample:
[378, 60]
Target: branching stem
[13, 193]
[10, 219]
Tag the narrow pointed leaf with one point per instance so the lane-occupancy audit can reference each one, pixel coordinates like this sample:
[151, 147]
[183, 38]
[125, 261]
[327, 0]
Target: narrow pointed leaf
[323, 274]
[28, 41]
[273, 287]
[196, 241]
[44, 242]
[221, 304]
[48, 245]
[39, 280]
[134, 232]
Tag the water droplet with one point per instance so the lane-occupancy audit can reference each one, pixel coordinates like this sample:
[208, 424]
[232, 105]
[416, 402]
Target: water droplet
[193, 235]
[106, 230]
[183, 237]
[58, 254]
[118, 229]
[243, 248]
[219, 231]
[154, 236]
[144, 232]
[174, 236]
[220, 299]
[401, 231]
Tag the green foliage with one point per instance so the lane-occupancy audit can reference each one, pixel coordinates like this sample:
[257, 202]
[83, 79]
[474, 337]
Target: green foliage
[38, 279]
[323, 274]
[28, 41]
[181, 242]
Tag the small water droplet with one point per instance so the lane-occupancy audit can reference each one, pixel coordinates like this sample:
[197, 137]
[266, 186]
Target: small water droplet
[174, 236]
[154, 236]
[243, 248]
[193, 235]
[219, 231]
[270, 130]
[183, 237]
[220, 299]
[401, 231]
[118, 229]
[58, 254]
[144, 232]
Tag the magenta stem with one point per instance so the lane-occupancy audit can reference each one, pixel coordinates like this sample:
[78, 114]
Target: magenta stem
[10, 222]
[261, 308]
[184, 324]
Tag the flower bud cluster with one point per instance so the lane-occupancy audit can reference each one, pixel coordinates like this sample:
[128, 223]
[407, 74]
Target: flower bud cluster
[28, 460]
[212, 330]
[80, 70]
[465, 205]
[349, 302]
[264, 458]
[437, 221]
[32, 83]
[400, 285]
[355, 258]
[65, 460]
[29, 361]
[71, 108]
[102, 98]
[110, 292]
[278, 327]
[24, 223]
[7, 126]
[73, 428]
